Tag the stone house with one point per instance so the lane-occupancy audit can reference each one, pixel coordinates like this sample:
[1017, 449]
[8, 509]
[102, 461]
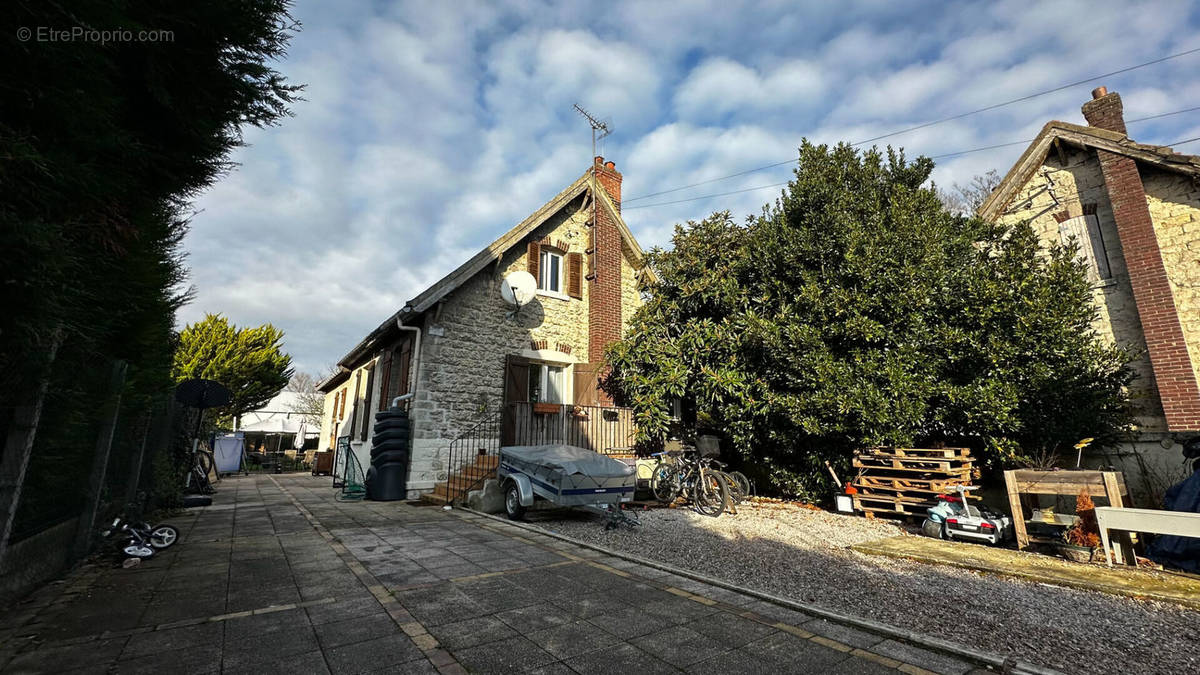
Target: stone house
[478, 369]
[1134, 210]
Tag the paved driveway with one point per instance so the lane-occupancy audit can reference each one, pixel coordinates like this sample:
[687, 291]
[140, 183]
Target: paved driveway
[278, 576]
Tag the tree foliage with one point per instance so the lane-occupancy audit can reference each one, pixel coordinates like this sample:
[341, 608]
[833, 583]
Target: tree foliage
[856, 311]
[249, 361]
[310, 403]
[103, 144]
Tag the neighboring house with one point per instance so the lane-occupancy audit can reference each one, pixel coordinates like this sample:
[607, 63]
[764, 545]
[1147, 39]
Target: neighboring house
[1135, 211]
[476, 369]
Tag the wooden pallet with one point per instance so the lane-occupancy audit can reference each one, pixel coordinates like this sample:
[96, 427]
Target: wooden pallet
[918, 452]
[914, 492]
[881, 503]
[908, 483]
[910, 465]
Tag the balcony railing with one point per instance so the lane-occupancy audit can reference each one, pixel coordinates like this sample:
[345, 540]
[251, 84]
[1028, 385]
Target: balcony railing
[607, 430]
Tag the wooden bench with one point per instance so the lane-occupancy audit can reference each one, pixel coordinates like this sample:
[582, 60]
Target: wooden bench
[1179, 523]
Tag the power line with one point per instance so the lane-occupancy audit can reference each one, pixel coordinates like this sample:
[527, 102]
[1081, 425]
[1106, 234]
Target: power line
[1029, 96]
[949, 119]
[692, 199]
[949, 154]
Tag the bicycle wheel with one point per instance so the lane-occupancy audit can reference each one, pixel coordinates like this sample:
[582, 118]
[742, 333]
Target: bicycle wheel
[743, 483]
[163, 536]
[736, 496]
[205, 461]
[664, 483]
[710, 494]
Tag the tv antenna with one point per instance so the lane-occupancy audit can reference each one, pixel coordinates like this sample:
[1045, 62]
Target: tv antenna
[603, 129]
[597, 126]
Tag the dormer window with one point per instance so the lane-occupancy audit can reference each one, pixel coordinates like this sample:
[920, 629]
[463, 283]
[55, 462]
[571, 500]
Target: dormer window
[550, 267]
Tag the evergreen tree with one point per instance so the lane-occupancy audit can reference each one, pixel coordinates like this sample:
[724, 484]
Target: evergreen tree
[855, 311]
[249, 361]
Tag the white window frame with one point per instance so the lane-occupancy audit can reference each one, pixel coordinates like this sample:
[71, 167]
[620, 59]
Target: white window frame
[543, 369]
[550, 283]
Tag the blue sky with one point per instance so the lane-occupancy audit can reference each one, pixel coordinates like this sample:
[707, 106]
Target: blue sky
[431, 128]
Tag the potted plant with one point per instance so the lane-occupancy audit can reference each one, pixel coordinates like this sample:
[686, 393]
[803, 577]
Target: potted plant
[1081, 539]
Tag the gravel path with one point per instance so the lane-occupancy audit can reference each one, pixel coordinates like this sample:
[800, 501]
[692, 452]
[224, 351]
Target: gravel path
[802, 554]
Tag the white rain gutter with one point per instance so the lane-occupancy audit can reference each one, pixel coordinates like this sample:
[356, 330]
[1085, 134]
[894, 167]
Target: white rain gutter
[415, 375]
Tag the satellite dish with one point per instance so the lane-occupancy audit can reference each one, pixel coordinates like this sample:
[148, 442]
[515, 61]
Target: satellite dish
[518, 288]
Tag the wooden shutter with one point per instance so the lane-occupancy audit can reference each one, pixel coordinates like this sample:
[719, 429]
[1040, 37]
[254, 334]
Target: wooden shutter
[516, 380]
[1086, 232]
[366, 408]
[575, 275]
[534, 259]
[354, 405]
[587, 383]
[385, 382]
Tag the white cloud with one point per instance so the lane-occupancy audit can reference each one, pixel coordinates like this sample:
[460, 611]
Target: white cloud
[431, 128]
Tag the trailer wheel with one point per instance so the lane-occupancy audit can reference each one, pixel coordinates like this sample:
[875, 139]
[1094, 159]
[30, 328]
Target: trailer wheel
[512, 502]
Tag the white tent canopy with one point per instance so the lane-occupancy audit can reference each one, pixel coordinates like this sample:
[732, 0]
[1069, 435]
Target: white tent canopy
[279, 416]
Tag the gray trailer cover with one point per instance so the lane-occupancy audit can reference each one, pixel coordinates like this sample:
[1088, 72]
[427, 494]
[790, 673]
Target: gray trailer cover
[570, 460]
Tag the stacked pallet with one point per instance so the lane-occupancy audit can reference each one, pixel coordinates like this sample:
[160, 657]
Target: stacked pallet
[908, 480]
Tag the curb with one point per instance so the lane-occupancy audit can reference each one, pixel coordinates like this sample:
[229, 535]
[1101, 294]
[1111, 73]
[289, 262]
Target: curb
[1004, 664]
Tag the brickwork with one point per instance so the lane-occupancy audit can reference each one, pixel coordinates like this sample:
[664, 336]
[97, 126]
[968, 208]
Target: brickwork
[604, 307]
[1152, 291]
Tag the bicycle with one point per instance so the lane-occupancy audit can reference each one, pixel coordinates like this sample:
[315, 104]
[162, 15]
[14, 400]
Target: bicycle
[688, 475]
[197, 476]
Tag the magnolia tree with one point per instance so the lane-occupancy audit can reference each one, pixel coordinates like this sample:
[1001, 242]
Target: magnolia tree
[857, 310]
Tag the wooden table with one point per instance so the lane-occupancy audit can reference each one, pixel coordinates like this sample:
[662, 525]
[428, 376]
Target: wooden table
[1179, 523]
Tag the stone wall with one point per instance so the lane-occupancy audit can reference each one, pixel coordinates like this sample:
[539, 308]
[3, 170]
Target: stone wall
[30, 562]
[1174, 202]
[466, 343]
[1069, 186]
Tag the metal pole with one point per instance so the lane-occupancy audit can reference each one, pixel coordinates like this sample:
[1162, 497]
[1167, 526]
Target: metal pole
[18, 447]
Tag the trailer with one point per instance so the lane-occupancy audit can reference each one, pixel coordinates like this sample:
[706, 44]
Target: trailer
[564, 475]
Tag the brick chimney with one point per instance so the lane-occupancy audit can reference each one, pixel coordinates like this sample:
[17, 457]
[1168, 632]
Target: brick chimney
[1177, 387]
[610, 179]
[1105, 111]
[604, 265]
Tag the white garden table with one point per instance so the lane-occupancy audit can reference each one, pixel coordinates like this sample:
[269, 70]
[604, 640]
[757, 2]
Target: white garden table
[1179, 523]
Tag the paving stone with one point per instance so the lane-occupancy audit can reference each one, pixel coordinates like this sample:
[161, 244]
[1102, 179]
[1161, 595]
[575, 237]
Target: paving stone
[787, 653]
[587, 606]
[842, 633]
[157, 641]
[929, 660]
[734, 662]
[357, 629]
[343, 609]
[95, 654]
[514, 654]
[572, 639]
[192, 660]
[729, 629]
[383, 652]
[535, 617]
[619, 660]
[471, 632]
[291, 664]
[629, 622]
[680, 646]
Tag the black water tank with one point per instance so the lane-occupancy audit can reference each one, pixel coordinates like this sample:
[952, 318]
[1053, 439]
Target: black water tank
[387, 479]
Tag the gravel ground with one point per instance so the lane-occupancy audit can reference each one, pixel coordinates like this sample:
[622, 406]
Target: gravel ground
[802, 554]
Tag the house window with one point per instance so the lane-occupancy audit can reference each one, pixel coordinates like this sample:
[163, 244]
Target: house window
[1085, 230]
[546, 383]
[550, 265]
